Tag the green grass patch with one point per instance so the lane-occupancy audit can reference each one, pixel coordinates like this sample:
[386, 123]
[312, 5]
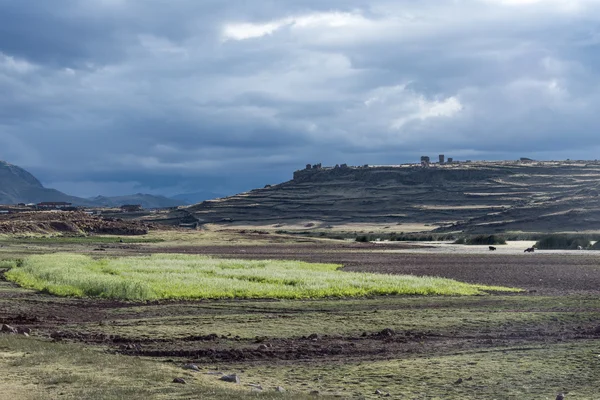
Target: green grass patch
[170, 276]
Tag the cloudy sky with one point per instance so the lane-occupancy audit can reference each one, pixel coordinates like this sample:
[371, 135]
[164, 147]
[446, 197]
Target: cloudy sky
[169, 96]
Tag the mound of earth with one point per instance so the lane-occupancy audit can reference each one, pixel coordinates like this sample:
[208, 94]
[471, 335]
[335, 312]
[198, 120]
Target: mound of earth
[474, 197]
[69, 223]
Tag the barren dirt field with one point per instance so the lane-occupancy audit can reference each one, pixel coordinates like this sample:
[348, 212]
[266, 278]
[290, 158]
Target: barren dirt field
[534, 344]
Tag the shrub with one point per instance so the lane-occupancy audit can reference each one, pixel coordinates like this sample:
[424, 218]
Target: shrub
[363, 239]
[482, 240]
[460, 240]
[562, 242]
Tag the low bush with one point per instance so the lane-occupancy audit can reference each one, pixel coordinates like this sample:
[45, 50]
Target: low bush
[363, 239]
[562, 242]
[481, 240]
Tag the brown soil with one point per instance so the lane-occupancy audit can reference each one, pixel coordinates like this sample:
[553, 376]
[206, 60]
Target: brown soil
[69, 222]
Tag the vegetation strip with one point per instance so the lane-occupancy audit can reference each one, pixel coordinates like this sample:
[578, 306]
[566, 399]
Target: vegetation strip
[172, 276]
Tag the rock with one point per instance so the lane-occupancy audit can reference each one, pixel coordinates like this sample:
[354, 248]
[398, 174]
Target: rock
[179, 380]
[263, 347]
[256, 387]
[25, 334]
[379, 392]
[8, 329]
[56, 335]
[387, 332]
[560, 396]
[279, 389]
[313, 336]
[192, 367]
[230, 378]
[459, 381]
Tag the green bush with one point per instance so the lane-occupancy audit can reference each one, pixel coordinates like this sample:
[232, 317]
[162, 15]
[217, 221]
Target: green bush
[481, 240]
[562, 242]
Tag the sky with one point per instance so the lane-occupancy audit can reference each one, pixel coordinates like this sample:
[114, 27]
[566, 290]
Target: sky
[115, 97]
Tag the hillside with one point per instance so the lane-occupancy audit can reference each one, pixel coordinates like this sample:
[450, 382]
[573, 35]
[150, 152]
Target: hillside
[19, 186]
[473, 197]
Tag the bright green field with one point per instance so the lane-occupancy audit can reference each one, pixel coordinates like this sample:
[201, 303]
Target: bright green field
[169, 276]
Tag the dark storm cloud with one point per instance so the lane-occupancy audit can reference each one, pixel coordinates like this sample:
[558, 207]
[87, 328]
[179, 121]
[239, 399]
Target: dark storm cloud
[117, 96]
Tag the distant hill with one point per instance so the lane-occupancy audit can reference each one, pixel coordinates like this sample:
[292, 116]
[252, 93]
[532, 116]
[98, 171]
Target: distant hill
[472, 197]
[197, 197]
[19, 186]
[145, 200]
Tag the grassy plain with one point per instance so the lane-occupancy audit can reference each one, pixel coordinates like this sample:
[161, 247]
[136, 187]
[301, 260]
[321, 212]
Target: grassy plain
[40, 369]
[503, 346]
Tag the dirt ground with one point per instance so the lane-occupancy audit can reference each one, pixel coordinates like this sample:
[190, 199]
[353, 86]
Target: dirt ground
[69, 222]
[560, 304]
[542, 272]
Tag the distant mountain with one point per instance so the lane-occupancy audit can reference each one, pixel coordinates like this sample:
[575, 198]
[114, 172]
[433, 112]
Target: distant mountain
[19, 186]
[145, 200]
[197, 197]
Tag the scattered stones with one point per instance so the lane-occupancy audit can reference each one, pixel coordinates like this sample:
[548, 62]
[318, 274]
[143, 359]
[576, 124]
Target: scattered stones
[8, 329]
[230, 378]
[24, 331]
[179, 380]
[279, 389]
[192, 367]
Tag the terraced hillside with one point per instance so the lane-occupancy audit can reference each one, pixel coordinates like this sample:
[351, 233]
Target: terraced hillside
[479, 196]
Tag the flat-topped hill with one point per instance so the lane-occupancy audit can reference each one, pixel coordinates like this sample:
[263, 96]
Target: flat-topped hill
[476, 197]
